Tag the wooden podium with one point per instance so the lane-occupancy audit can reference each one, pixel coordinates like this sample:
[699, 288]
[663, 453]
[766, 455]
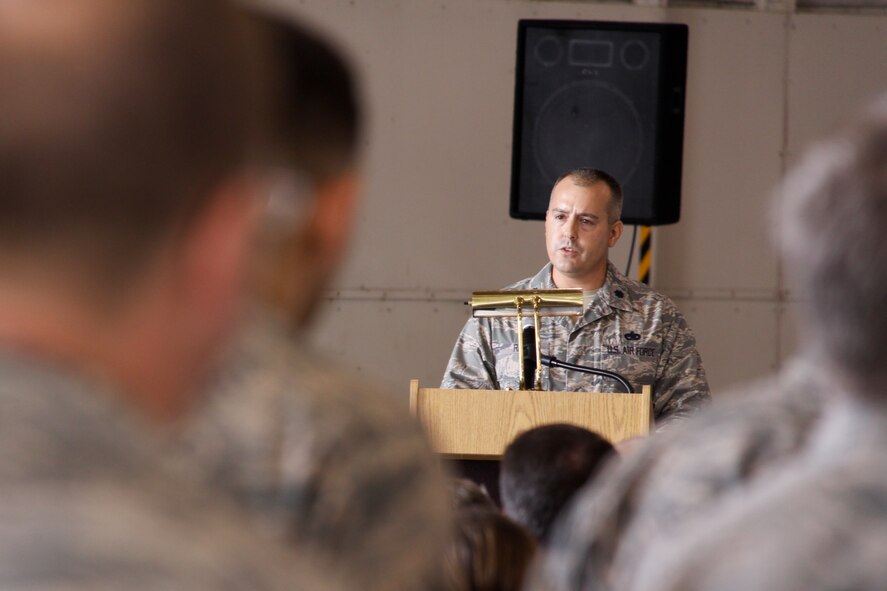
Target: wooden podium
[479, 424]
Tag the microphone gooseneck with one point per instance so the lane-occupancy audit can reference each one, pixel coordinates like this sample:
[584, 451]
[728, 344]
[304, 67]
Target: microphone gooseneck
[550, 361]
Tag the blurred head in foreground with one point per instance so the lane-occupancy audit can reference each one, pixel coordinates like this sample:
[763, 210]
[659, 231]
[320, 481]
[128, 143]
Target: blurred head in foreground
[832, 215]
[126, 205]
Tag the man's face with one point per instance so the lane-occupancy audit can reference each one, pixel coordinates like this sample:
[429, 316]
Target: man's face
[578, 234]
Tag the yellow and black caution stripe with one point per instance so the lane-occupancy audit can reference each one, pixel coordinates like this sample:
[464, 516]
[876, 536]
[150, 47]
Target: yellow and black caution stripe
[646, 256]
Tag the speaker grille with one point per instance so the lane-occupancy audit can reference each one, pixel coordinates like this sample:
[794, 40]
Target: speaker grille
[595, 94]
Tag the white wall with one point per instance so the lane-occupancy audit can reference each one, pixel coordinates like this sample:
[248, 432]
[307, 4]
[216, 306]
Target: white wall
[439, 80]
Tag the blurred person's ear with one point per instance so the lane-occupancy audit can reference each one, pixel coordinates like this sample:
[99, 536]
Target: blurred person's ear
[292, 274]
[332, 222]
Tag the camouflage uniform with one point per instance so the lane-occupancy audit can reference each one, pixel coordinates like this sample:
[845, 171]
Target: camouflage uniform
[87, 502]
[324, 462]
[819, 525]
[680, 478]
[626, 327]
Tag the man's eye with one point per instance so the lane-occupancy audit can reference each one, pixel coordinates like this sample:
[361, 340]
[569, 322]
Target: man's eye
[560, 216]
[586, 221]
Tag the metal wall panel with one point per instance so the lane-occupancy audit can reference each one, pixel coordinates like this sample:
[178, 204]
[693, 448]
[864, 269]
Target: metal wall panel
[434, 225]
[732, 154]
[838, 64]
[391, 342]
[737, 340]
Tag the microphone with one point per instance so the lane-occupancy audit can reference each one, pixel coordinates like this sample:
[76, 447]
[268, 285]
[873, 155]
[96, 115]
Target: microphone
[529, 353]
[550, 361]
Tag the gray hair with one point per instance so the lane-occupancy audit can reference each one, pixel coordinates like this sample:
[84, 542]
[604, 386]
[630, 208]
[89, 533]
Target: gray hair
[833, 214]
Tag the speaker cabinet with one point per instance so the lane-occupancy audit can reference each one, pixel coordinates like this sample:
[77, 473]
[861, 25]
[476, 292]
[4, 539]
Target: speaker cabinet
[605, 95]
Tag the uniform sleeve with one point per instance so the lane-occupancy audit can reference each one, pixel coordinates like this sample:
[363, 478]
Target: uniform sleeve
[472, 364]
[681, 386]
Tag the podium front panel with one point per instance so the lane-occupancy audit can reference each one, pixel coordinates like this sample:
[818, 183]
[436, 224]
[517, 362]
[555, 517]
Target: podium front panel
[481, 423]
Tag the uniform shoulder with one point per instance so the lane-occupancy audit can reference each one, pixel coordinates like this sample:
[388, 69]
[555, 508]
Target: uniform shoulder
[522, 284]
[638, 291]
[541, 280]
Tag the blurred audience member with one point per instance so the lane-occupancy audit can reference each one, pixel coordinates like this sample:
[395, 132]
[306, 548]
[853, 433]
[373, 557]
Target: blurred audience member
[543, 468]
[126, 216]
[489, 552]
[321, 459]
[822, 522]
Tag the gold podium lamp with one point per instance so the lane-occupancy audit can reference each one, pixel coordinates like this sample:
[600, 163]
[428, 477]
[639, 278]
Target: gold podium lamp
[520, 304]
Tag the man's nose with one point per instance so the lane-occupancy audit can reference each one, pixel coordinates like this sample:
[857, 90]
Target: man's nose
[569, 228]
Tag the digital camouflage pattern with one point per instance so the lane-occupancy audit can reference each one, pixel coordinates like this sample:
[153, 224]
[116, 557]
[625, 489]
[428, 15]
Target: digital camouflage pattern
[87, 502]
[679, 478]
[819, 525]
[324, 462]
[626, 327]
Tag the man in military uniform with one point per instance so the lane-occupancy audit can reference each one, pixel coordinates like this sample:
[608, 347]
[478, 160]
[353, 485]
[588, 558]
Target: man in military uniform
[126, 217]
[781, 486]
[625, 327]
[322, 460]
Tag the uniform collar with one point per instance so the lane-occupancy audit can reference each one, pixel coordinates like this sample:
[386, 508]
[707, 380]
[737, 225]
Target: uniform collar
[542, 279]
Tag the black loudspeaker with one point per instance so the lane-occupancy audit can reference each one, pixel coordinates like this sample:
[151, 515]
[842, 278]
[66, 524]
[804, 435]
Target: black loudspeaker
[606, 95]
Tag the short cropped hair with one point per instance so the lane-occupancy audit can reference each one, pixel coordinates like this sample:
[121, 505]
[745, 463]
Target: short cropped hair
[832, 216]
[112, 137]
[317, 121]
[542, 469]
[586, 177]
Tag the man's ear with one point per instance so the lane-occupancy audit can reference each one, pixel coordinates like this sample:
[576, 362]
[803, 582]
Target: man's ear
[615, 233]
[333, 217]
[290, 274]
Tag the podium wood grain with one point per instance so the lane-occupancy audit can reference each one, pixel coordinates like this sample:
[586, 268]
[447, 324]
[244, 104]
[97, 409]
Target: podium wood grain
[481, 423]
